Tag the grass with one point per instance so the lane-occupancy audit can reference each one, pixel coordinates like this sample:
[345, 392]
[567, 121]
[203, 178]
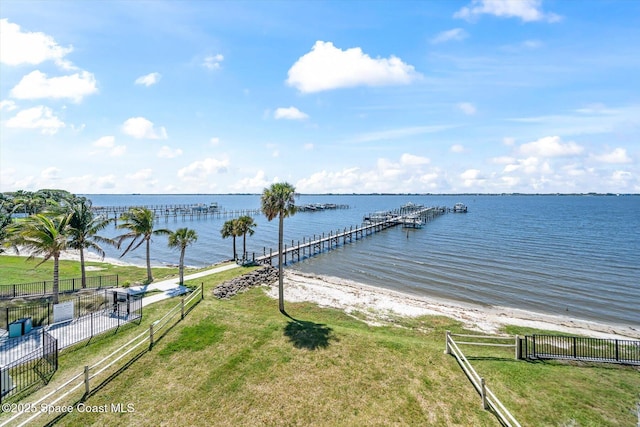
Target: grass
[240, 362]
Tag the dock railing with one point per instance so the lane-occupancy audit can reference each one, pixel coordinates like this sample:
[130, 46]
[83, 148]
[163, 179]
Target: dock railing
[489, 400]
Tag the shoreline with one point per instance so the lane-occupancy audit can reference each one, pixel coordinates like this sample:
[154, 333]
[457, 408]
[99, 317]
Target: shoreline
[380, 304]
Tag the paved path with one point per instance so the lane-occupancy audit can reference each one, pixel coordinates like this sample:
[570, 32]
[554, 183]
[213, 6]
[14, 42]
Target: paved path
[171, 288]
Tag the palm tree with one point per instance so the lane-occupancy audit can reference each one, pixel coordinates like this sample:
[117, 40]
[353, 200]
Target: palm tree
[181, 238]
[84, 226]
[279, 200]
[230, 229]
[245, 226]
[46, 235]
[139, 222]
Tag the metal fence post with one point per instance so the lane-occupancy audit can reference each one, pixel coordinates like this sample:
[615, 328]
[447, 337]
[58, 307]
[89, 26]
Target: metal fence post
[447, 349]
[518, 348]
[182, 308]
[151, 335]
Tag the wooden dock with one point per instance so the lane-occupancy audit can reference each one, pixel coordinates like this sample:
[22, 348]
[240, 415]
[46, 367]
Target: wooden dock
[371, 224]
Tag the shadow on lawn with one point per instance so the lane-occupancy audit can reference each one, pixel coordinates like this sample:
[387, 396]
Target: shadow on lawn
[309, 335]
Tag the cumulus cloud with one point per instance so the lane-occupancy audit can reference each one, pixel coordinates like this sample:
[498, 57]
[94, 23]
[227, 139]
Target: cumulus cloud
[201, 169]
[141, 128]
[106, 182]
[457, 148]
[252, 184]
[18, 47]
[141, 175]
[40, 117]
[215, 141]
[104, 142]
[526, 10]
[618, 155]
[550, 146]
[50, 173]
[308, 146]
[326, 67]
[291, 113]
[167, 152]
[467, 108]
[148, 80]
[109, 143]
[456, 34]
[8, 105]
[36, 85]
[212, 62]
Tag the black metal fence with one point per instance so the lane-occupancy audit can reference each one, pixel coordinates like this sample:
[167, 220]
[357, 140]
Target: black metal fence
[41, 312]
[64, 285]
[34, 367]
[580, 348]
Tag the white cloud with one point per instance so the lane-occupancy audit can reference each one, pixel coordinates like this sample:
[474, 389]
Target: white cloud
[167, 152]
[327, 67]
[618, 155]
[252, 184]
[550, 146]
[140, 175]
[118, 150]
[8, 105]
[17, 47]
[148, 80]
[201, 169]
[212, 62]
[467, 108]
[40, 117]
[457, 148]
[412, 160]
[291, 113]
[104, 142]
[398, 133]
[36, 85]
[50, 173]
[141, 128]
[106, 182]
[455, 34]
[508, 141]
[526, 10]
[472, 177]
[215, 141]
[308, 146]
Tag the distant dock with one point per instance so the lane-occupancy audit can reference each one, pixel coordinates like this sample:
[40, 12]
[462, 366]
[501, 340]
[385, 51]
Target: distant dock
[200, 211]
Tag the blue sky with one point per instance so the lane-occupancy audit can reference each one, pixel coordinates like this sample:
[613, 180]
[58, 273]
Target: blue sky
[484, 96]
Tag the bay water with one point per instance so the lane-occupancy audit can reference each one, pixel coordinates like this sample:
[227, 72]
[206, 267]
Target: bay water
[569, 255]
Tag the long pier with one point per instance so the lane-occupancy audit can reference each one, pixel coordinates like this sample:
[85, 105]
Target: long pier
[373, 223]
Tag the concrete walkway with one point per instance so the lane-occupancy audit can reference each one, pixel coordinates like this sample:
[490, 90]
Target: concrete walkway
[170, 288]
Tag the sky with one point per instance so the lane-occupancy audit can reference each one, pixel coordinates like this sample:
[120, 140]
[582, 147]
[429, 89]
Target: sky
[470, 96]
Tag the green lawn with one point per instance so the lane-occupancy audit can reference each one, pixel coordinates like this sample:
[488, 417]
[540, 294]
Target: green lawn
[240, 362]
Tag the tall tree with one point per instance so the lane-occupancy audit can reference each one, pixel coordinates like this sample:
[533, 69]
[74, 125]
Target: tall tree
[230, 229]
[45, 235]
[279, 201]
[140, 223]
[245, 225]
[84, 229]
[180, 239]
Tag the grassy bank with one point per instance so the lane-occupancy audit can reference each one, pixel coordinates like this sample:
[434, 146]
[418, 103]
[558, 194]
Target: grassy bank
[240, 362]
[19, 269]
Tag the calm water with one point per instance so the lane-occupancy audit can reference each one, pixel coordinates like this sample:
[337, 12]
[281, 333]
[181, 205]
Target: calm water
[576, 256]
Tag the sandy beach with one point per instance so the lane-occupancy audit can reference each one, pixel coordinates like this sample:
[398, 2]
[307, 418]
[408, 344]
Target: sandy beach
[74, 255]
[382, 304]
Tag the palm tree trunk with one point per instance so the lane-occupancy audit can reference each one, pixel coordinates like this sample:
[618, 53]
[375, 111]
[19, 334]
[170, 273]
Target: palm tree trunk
[56, 274]
[149, 275]
[182, 265]
[235, 255]
[244, 245]
[82, 269]
[280, 278]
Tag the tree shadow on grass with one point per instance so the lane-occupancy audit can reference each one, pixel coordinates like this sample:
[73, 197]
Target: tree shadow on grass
[309, 335]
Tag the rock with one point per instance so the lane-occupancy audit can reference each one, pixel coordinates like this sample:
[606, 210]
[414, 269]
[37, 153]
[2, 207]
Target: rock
[263, 276]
